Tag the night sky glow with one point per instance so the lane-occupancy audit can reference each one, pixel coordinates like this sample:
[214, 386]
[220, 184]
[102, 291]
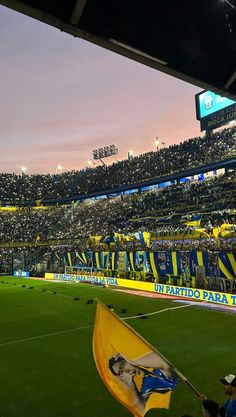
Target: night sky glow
[62, 97]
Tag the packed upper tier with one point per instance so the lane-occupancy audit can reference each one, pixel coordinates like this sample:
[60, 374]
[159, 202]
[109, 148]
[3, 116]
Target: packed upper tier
[195, 152]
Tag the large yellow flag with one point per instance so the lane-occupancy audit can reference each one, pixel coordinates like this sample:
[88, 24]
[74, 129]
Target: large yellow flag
[227, 230]
[135, 373]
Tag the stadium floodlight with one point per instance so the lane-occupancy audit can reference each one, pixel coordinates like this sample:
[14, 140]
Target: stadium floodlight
[130, 155]
[59, 169]
[157, 142]
[110, 150]
[90, 163]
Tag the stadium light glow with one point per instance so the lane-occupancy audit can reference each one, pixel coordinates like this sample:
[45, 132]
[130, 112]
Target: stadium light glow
[59, 169]
[130, 155]
[157, 142]
[90, 163]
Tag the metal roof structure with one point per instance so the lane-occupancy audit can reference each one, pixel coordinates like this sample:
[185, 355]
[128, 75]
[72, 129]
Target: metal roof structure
[194, 40]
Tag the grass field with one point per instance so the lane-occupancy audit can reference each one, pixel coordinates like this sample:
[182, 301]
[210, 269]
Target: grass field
[46, 361]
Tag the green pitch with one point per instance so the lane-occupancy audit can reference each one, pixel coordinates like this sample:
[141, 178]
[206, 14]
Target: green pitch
[46, 360]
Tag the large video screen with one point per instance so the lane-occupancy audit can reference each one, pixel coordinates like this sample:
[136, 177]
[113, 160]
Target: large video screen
[214, 110]
[210, 102]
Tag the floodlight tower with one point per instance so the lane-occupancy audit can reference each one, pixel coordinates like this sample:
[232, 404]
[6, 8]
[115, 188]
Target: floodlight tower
[24, 170]
[157, 142]
[59, 169]
[99, 154]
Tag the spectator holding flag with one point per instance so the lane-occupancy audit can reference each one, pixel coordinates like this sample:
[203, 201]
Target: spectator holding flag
[229, 407]
[210, 408]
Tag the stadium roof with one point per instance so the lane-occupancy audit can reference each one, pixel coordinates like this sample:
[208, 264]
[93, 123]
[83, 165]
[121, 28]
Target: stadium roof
[194, 40]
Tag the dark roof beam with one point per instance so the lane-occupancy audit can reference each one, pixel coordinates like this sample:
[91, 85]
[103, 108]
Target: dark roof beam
[77, 12]
[37, 14]
[115, 46]
[137, 51]
[230, 81]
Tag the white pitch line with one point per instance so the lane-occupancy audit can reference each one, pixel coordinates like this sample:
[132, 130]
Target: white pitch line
[85, 327]
[157, 312]
[51, 292]
[45, 335]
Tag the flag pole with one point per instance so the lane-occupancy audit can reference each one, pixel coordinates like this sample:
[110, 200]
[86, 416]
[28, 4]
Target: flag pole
[180, 375]
[184, 378]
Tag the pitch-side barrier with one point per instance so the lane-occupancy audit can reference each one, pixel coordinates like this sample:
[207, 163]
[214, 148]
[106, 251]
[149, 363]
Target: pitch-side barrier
[183, 292]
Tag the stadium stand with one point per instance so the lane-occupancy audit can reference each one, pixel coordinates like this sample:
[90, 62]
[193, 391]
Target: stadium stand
[153, 211]
[25, 189]
[157, 219]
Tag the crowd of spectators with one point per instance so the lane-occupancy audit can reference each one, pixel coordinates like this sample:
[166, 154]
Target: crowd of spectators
[163, 212]
[29, 225]
[215, 195]
[153, 211]
[22, 189]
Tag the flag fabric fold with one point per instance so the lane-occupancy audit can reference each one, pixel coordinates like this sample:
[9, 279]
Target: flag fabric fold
[194, 220]
[138, 376]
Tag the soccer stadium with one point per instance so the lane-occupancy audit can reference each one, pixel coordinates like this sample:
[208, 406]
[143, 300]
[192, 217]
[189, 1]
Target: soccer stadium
[118, 281]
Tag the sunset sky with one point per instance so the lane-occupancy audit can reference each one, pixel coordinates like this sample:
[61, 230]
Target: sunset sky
[62, 97]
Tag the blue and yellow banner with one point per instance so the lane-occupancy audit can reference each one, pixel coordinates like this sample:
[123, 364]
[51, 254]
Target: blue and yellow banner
[141, 261]
[227, 264]
[107, 239]
[138, 376]
[198, 258]
[104, 260]
[63, 258]
[69, 259]
[131, 260]
[174, 263]
[118, 237]
[153, 262]
[113, 261]
[100, 260]
[81, 256]
[145, 239]
[57, 255]
[122, 261]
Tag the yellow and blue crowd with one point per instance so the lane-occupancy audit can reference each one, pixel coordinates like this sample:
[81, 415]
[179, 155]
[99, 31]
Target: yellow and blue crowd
[30, 229]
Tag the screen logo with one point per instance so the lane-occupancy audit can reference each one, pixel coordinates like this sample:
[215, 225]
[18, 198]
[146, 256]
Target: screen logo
[208, 102]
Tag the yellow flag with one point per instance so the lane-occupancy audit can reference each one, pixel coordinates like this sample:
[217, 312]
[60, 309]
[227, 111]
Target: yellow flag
[228, 230]
[135, 373]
